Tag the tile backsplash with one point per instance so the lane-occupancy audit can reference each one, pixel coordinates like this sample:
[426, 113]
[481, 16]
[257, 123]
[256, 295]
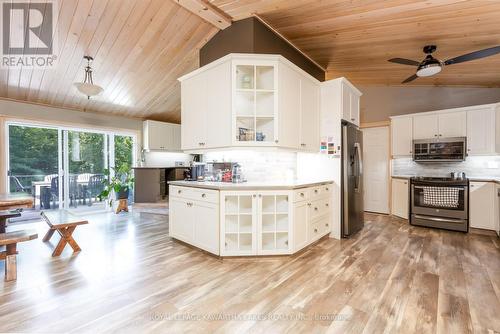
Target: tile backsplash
[259, 166]
[478, 166]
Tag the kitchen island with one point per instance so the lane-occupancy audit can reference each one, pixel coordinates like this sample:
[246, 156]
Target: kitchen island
[250, 219]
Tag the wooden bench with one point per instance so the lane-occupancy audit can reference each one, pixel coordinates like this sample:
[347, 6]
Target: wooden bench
[65, 224]
[10, 241]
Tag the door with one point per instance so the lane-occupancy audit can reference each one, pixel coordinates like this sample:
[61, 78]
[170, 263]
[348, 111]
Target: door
[300, 223]
[182, 215]
[289, 120]
[346, 103]
[193, 112]
[218, 119]
[376, 169]
[274, 220]
[482, 205]
[481, 131]
[206, 230]
[309, 116]
[402, 136]
[453, 124]
[400, 200]
[425, 127]
[354, 108]
[352, 184]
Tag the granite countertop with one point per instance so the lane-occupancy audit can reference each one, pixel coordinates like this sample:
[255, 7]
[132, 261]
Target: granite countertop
[249, 185]
[471, 178]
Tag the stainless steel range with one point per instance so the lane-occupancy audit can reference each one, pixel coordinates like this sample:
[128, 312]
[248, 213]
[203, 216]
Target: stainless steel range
[440, 202]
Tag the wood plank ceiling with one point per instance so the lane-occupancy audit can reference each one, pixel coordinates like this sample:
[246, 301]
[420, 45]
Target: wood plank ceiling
[354, 38]
[142, 46]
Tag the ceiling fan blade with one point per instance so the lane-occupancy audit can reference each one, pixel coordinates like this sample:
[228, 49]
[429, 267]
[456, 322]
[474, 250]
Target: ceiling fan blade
[413, 77]
[474, 55]
[404, 61]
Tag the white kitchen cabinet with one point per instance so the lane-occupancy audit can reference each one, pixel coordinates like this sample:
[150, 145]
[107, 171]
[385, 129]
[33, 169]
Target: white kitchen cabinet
[481, 132]
[440, 125]
[250, 101]
[350, 102]
[402, 136]
[452, 124]
[255, 223]
[161, 136]
[300, 216]
[309, 115]
[185, 223]
[400, 200]
[482, 204]
[425, 126]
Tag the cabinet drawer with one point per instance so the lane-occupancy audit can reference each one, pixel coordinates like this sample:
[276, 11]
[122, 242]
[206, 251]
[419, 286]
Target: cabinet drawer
[301, 194]
[320, 208]
[204, 195]
[319, 228]
[320, 191]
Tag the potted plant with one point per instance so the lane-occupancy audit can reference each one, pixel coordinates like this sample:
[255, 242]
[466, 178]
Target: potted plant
[119, 185]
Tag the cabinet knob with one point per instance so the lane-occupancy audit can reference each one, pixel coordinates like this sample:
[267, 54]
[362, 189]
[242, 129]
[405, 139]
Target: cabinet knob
[301, 194]
[315, 230]
[203, 195]
[260, 195]
[286, 242]
[254, 195]
[315, 209]
[327, 205]
[327, 188]
[352, 119]
[179, 191]
[327, 224]
[315, 191]
[309, 204]
[276, 141]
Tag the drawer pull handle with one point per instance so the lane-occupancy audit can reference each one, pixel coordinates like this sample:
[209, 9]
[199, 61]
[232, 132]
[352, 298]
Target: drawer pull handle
[254, 195]
[309, 204]
[286, 242]
[179, 191]
[327, 188]
[315, 230]
[315, 191]
[302, 194]
[203, 195]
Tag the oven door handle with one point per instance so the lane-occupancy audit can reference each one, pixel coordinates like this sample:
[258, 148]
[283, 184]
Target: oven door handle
[441, 186]
[439, 219]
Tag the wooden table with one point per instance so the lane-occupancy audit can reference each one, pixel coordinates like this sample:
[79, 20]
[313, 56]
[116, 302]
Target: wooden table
[4, 215]
[21, 201]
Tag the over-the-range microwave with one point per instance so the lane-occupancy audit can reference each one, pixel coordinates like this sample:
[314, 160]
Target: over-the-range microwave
[440, 149]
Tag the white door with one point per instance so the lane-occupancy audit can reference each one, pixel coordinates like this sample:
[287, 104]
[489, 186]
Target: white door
[218, 107]
[482, 205]
[309, 112]
[452, 124]
[376, 169]
[193, 112]
[402, 136]
[181, 220]
[346, 103]
[425, 127]
[481, 131]
[400, 200]
[206, 230]
[355, 108]
[289, 119]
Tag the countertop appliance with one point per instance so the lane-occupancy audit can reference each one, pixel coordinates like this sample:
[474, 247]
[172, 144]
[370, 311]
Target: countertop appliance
[196, 172]
[440, 149]
[441, 202]
[352, 180]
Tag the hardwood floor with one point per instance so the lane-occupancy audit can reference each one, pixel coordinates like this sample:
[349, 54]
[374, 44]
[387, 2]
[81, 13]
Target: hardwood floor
[131, 277]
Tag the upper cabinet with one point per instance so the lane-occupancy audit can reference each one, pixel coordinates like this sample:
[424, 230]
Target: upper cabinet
[350, 102]
[480, 124]
[161, 136]
[250, 100]
[402, 140]
[445, 125]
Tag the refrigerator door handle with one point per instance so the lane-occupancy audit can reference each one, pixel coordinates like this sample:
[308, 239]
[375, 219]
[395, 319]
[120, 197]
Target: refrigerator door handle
[359, 165]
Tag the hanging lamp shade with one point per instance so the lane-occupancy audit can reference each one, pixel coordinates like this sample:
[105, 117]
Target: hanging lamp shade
[87, 87]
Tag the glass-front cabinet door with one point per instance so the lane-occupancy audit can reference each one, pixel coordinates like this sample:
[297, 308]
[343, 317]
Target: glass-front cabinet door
[255, 103]
[274, 217]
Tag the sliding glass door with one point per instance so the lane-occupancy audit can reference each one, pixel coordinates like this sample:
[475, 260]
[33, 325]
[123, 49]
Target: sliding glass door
[62, 167]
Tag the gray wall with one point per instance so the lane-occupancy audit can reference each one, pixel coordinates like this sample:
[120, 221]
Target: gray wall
[380, 102]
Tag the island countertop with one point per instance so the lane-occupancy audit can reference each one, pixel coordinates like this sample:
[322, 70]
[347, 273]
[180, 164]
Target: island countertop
[286, 185]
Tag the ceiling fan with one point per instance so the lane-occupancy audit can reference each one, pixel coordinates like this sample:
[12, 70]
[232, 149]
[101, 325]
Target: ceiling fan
[430, 65]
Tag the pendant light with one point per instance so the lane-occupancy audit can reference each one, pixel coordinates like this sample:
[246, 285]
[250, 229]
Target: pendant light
[87, 87]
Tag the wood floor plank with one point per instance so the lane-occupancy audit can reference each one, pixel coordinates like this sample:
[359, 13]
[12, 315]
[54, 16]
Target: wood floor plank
[132, 277]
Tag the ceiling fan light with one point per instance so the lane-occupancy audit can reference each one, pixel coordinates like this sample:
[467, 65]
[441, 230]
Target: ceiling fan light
[429, 70]
[88, 89]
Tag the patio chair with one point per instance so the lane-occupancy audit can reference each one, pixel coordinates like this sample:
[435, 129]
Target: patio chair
[19, 186]
[73, 191]
[94, 187]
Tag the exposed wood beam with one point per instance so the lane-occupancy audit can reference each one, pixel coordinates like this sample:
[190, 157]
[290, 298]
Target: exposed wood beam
[207, 12]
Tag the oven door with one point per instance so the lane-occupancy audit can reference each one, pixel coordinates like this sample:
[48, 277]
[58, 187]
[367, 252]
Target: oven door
[420, 205]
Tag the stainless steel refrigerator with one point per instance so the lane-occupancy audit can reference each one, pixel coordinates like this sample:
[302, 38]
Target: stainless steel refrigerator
[352, 180]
